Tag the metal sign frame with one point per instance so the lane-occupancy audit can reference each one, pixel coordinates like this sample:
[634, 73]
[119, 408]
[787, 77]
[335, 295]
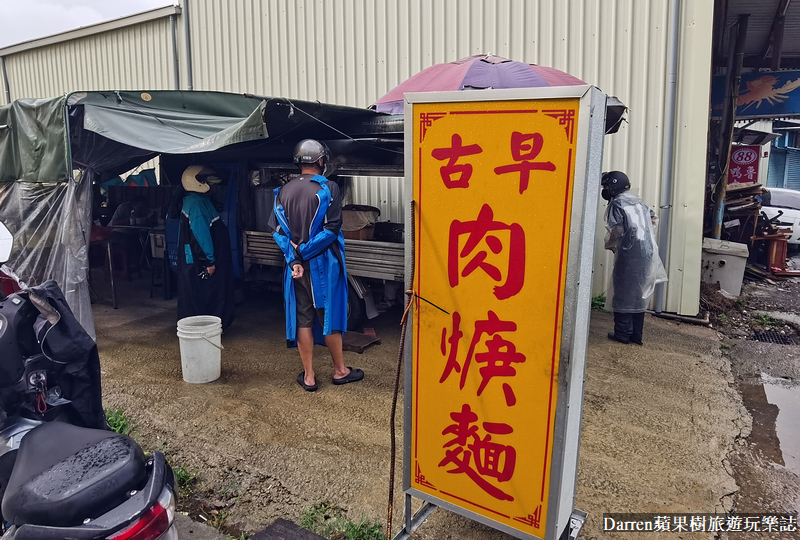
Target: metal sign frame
[563, 521]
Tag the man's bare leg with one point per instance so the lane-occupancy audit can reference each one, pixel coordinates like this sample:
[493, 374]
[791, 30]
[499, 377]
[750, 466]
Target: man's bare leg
[305, 343]
[334, 343]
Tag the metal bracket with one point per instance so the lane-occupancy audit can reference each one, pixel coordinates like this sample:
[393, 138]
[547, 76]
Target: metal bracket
[363, 292]
[358, 286]
[576, 521]
[413, 523]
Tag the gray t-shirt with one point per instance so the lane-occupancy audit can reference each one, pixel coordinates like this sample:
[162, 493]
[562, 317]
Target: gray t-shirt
[300, 204]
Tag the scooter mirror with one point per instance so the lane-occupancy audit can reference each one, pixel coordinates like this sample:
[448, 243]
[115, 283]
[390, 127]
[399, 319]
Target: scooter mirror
[6, 243]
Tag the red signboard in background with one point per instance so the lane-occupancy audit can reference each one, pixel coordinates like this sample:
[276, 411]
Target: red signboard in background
[743, 166]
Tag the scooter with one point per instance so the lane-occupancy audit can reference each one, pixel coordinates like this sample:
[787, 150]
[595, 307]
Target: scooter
[63, 473]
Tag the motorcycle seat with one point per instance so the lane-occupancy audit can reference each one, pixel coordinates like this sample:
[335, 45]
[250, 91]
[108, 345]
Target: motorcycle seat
[65, 474]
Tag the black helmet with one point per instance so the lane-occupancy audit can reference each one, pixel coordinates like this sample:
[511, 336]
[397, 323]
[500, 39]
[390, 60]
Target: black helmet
[310, 151]
[614, 183]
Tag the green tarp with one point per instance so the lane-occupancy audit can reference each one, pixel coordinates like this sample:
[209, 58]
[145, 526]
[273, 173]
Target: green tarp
[33, 141]
[173, 122]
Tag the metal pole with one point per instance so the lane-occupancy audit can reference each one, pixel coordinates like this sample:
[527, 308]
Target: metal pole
[777, 39]
[175, 68]
[186, 30]
[5, 78]
[728, 121]
[669, 146]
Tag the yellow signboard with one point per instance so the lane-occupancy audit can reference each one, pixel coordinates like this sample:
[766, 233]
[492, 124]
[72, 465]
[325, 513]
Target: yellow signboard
[493, 192]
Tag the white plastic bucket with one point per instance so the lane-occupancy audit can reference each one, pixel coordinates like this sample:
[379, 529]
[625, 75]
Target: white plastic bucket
[201, 345]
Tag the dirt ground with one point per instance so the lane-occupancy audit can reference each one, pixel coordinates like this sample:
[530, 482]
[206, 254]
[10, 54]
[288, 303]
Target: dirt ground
[664, 425]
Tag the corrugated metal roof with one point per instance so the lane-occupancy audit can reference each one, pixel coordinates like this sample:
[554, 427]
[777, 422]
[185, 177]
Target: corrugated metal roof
[92, 29]
[759, 25]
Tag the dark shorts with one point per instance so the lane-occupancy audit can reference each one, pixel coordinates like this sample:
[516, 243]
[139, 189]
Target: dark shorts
[304, 301]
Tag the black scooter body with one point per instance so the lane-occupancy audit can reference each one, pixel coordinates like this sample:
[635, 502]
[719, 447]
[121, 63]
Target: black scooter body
[63, 472]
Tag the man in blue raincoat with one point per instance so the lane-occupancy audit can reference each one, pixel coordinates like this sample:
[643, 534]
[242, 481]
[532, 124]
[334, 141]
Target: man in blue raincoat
[307, 221]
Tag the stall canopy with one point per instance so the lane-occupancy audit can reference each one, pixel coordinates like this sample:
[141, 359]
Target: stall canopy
[51, 150]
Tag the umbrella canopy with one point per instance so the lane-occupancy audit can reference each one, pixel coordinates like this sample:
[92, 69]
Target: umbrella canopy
[474, 72]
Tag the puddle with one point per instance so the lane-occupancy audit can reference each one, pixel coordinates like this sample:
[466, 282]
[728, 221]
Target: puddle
[787, 399]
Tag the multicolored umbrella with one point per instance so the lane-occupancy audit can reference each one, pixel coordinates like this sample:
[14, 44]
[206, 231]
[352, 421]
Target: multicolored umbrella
[474, 72]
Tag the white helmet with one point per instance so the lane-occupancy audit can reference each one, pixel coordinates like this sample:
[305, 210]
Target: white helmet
[195, 178]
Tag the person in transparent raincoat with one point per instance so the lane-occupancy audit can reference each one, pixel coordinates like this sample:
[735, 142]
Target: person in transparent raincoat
[631, 237]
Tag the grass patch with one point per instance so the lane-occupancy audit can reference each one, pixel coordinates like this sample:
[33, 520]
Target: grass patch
[186, 479]
[217, 518]
[332, 523]
[724, 347]
[722, 318]
[118, 421]
[765, 320]
[599, 302]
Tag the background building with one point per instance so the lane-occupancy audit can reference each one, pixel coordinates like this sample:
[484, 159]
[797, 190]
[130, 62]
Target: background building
[351, 52]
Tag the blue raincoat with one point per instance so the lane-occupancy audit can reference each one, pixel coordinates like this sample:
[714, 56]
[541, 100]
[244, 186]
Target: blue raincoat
[324, 252]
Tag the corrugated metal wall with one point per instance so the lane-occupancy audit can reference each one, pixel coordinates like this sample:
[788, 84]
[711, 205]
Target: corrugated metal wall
[352, 52]
[792, 169]
[777, 168]
[691, 135]
[3, 99]
[132, 58]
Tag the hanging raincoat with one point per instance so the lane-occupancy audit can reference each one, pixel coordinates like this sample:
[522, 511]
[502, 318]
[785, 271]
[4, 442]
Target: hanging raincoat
[204, 241]
[322, 249]
[637, 265]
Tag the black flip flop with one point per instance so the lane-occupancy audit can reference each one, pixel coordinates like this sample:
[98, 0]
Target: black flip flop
[301, 381]
[355, 375]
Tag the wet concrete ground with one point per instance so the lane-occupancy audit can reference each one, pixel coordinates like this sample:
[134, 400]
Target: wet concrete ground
[786, 396]
[766, 464]
[667, 427]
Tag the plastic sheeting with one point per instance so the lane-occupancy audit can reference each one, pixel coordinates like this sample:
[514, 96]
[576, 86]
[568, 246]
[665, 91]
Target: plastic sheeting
[637, 266]
[48, 221]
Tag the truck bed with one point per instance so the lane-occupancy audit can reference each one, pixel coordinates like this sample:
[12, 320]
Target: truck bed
[365, 258]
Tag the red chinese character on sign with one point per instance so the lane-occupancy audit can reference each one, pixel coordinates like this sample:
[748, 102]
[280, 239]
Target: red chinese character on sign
[452, 358]
[499, 357]
[464, 170]
[486, 227]
[525, 147]
[490, 459]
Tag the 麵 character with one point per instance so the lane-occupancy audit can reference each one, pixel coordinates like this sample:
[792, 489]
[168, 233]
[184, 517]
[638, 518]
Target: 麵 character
[490, 459]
